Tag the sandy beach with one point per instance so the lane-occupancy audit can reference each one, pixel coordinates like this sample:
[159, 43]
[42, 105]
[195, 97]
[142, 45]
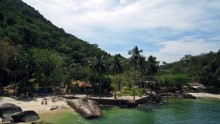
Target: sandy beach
[36, 104]
[205, 95]
[27, 104]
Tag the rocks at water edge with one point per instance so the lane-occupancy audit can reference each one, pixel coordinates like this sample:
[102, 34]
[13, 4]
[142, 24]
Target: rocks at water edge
[188, 96]
[54, 107]
[7, 109]
[25, 116]
[87, 108]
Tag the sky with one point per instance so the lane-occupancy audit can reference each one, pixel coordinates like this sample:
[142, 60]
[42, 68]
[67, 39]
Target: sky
[166, 29]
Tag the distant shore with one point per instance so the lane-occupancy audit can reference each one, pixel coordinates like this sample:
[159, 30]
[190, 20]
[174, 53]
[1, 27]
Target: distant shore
[205, 95]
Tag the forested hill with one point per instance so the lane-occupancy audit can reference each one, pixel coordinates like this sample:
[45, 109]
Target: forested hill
[32, 48]
[26, 26]
[204, 68]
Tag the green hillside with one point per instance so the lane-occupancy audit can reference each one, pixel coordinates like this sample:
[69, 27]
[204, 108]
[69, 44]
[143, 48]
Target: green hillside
[32, 49]
[204, 69]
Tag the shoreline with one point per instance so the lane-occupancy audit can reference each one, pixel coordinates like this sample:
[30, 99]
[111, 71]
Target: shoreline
[205, 95]
[36, 105]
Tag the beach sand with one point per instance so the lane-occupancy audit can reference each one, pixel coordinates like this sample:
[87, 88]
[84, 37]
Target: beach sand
[36, 105]
[205, 95]
[27, 104]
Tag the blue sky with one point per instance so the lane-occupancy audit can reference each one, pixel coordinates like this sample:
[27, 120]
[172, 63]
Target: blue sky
[167, 29]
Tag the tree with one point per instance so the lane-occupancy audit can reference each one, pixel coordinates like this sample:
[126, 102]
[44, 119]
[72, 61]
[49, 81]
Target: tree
[7, 51]
[117, 68]
[135, 61]
[180, 80]
[1, 17]
[28, 62]
[143, 70]
[98, 65]
[152, 65]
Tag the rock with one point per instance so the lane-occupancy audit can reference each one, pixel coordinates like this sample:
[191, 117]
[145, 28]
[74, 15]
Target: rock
[155, 99]
[25, 116]
[131, 103]
[151, 93]
[167, 95]
[188, 96]
[87, 108]
[54, 107]
[7, 109]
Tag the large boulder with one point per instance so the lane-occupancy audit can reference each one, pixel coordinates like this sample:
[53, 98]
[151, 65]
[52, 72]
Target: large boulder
[7, 109]
[25, 116]
[131, 103]
[87, 108]
[54, 107]
[188, 96]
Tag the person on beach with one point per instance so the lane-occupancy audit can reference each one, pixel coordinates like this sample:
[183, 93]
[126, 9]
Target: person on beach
[44, 101]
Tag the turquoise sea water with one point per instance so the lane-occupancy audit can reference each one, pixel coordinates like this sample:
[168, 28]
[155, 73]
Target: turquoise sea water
[175, 111]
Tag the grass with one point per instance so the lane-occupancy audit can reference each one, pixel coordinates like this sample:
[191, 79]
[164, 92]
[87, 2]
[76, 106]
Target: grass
[130, 92]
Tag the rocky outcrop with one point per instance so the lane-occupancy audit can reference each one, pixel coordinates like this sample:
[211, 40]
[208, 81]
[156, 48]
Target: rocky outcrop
[87, 108]
[54, 107]
[131, 103]
[188, 96]
[25, 116]
[7, 109]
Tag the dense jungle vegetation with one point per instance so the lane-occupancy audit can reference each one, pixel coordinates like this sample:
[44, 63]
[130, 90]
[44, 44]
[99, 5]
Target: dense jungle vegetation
[34, 53]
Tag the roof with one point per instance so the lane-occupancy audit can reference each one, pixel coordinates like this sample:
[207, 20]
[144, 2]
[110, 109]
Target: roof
[81, 83]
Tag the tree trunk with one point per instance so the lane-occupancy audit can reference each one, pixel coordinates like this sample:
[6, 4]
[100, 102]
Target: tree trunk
[133, 92]
[140, 87]
[145, 84]
[100, 88]
[135, 81]
[15, 84]
[115, 89]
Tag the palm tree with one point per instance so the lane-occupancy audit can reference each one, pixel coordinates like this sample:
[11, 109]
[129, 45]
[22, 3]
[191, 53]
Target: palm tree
[117, 68]
[135, 60]
[152, 66]
[143, 69]
[28, 62]
[98, 65]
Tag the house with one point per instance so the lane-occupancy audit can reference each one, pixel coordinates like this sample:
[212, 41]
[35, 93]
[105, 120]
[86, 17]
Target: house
[145, 84]
[80, 86]
[81, 83]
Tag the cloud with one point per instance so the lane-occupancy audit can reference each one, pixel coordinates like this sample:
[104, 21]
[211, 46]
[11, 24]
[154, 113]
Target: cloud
[174, 50]
[167, 29]
[123, 16]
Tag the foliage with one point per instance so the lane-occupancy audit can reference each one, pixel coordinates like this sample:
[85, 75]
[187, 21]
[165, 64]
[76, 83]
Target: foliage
[35, 51]
[105, 85]
[99, 66]
[152, 65]
[203, 68]
[130, 92]
[117, 68]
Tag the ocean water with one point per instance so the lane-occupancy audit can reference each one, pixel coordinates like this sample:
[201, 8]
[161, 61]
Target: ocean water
[174, 111]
